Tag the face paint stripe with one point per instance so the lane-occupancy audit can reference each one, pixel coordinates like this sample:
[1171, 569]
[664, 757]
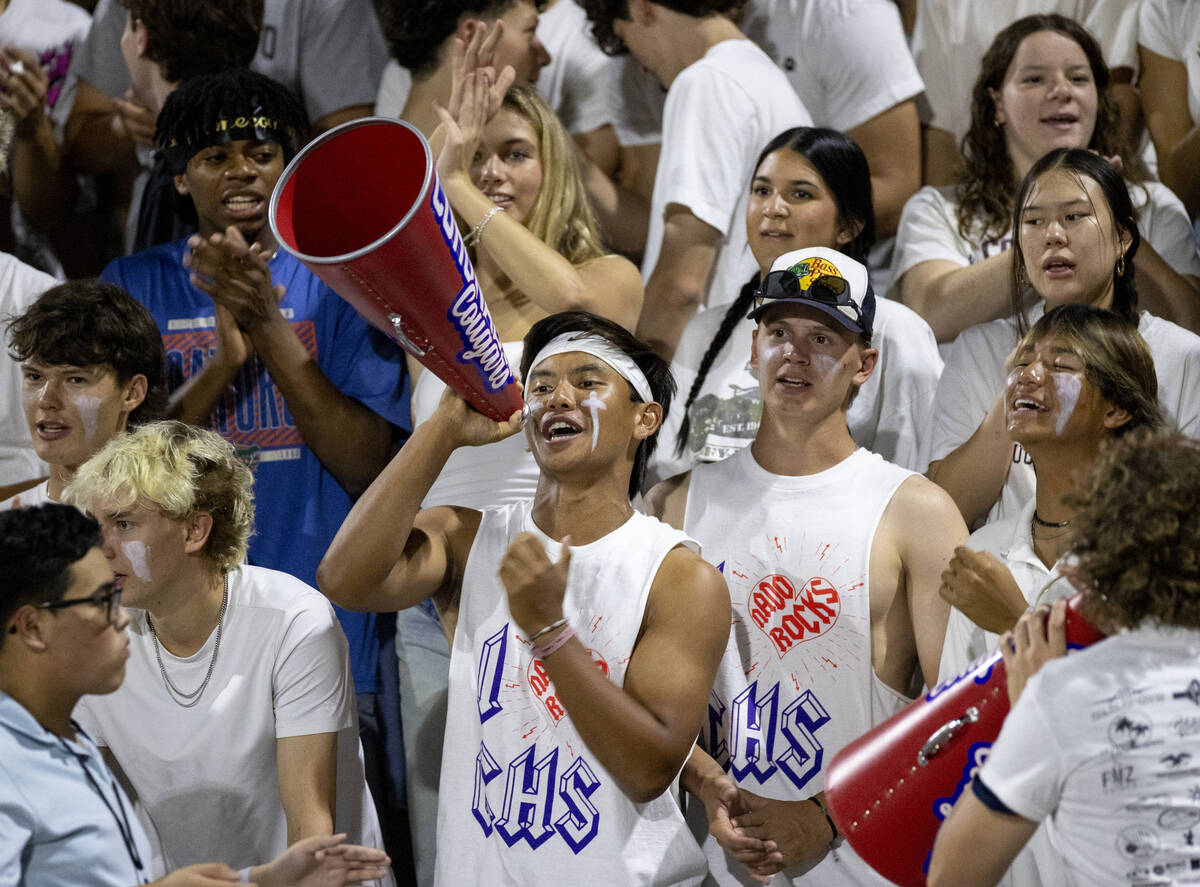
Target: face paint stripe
[594, 405]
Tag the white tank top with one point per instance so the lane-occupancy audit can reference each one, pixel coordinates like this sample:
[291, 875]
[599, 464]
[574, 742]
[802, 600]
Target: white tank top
[523, 800]
[478, 477]
[796, 683]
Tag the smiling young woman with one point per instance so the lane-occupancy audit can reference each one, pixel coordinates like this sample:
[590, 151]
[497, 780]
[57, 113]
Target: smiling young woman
[1042, 85]
[1077, 242]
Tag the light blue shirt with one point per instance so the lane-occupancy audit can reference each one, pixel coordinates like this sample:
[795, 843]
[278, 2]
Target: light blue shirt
[54, 827]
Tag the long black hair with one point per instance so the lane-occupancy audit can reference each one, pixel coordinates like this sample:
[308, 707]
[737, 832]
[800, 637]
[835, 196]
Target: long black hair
[1081, 163]
[843, 166]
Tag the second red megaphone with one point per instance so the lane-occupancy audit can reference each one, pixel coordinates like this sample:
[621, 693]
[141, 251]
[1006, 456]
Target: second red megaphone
[363, 208]
[889, 790]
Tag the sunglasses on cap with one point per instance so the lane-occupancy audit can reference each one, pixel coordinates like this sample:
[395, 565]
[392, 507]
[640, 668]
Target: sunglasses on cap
[828, 289]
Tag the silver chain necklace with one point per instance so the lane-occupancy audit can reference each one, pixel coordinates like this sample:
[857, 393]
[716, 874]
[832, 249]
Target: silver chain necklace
[176, 693]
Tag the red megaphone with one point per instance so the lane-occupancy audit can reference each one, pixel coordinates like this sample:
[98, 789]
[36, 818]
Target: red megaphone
[363, 208]
[889, 790]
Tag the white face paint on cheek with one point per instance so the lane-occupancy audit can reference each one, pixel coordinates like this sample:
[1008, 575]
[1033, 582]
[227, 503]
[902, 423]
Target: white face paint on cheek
[594, 405]
[1067, 386]
[138, 556]
[88, 407]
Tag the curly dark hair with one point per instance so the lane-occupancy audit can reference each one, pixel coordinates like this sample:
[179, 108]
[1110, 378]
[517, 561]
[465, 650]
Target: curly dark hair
[602, 14]
[38, 545]
[1082, 164]
[416, 29]
[987, 185]
[1137, 533]
[657, 371]
[88, 323]
[186, 38]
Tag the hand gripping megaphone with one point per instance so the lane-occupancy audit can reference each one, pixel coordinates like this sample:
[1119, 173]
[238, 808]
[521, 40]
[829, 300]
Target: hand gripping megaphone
[889, 790]
[363, 208]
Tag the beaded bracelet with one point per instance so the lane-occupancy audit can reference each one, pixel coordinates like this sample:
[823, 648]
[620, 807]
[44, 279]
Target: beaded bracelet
[477, 232]
[549, 628]
[563, 636]
[833, 832]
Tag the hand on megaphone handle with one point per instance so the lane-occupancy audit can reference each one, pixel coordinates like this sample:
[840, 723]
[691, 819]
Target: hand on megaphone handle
[1039, 636]
[464, 426]
[235, 275]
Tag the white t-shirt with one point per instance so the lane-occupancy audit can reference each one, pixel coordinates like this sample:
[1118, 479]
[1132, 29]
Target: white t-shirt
[950, 37]
[974, 377]
[1171, 28]
[720, 112]
[929, 230]
[890, 415]
[580, 81]
[478, 477]
[1102, 747]
[206, 777]
[20, 286]
[821, 44]
[523, 799]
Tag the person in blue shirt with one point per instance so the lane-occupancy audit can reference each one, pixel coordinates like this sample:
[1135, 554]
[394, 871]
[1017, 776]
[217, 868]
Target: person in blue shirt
[63, 817]
[263, 352]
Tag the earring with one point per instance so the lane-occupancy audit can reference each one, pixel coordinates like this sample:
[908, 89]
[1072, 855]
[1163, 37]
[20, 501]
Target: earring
[1121, 267]
[997, 122]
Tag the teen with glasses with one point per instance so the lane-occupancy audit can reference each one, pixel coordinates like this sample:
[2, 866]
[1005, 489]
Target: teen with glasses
[64, 819]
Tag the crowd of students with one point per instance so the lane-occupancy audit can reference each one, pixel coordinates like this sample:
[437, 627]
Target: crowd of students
[895, 359]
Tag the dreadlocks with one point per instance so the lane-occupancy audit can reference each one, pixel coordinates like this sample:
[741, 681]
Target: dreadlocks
[214, 109]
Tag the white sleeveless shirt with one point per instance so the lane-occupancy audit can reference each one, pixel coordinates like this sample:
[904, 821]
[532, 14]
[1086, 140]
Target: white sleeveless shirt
[524, 801]
[498, 473]
[796, 683]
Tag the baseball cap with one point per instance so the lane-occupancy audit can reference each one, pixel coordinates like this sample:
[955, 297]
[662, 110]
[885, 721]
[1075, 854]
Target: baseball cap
[825, 279]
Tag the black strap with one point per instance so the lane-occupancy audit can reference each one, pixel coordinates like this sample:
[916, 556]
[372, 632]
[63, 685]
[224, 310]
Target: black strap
[122, 820]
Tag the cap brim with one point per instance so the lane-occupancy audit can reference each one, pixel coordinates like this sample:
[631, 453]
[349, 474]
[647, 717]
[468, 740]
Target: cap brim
[757, 313]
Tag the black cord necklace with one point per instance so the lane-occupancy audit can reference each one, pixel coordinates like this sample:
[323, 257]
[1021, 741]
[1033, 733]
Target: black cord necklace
[121, 820]
[1056, 525]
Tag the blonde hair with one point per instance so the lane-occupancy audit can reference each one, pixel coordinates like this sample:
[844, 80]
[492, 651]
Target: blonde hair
[562, 218]
[180, 470]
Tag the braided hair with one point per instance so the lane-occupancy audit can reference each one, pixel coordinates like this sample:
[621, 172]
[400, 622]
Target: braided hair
[226, 106]
[840, 162]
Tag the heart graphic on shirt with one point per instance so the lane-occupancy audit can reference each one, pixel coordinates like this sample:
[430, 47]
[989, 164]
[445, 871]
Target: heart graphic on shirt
[789, 617]
[542, 687]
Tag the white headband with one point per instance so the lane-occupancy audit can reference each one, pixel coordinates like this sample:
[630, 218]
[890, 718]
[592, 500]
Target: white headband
[597, 347]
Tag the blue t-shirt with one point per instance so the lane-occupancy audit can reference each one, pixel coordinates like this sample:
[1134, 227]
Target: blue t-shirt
[299, 504]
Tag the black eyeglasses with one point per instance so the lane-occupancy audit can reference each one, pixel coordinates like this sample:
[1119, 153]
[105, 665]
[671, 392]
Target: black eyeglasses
[828, 289]
[107, 596]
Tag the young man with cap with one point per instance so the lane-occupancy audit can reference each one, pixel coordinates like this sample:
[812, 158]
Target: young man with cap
[91, 363]
[64, 819]
[833, 570]
[579, 674]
